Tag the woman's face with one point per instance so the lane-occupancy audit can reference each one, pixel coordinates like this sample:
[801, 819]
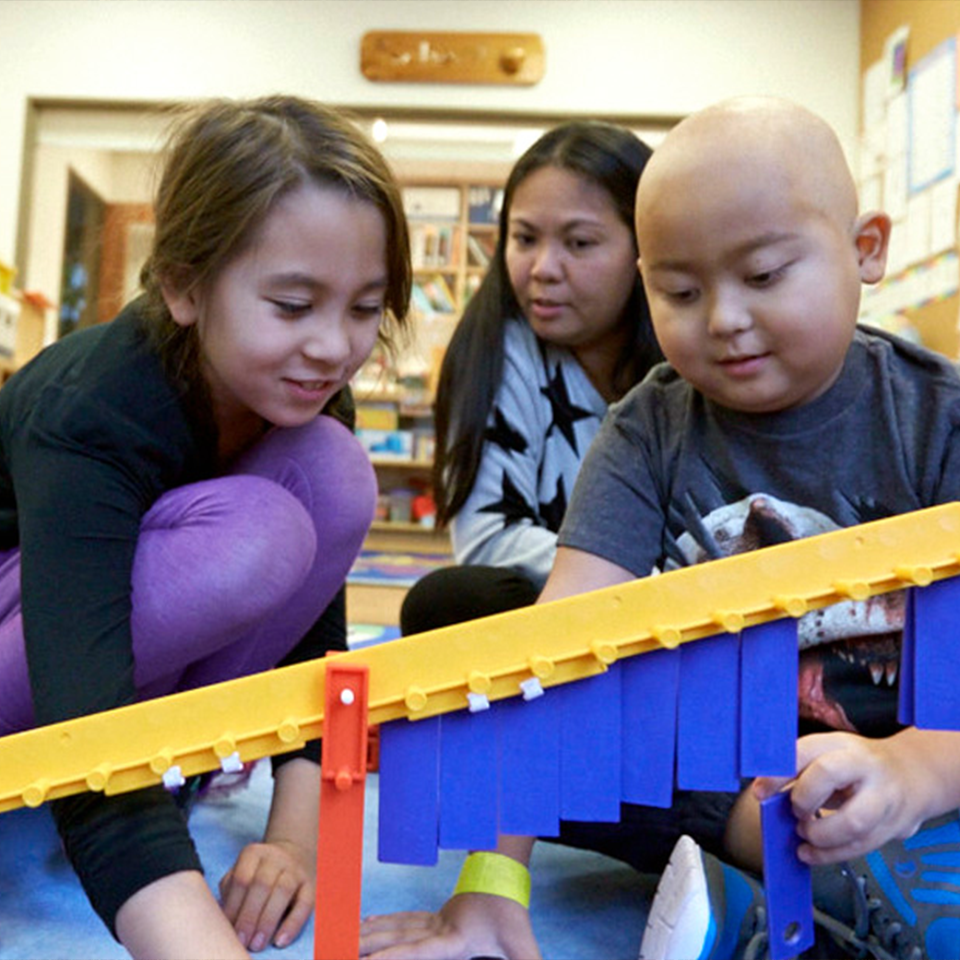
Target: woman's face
[290, 320]
[572, 261]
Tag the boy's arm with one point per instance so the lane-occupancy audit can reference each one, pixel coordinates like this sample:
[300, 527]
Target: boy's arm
[575, 571]
[479, 924]
[853, 793]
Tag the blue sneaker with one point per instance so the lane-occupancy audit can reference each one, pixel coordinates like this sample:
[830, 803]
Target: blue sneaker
[901, 901]
[704, 910]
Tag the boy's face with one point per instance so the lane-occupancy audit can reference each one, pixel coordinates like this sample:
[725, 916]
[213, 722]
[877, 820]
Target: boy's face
[753, 281]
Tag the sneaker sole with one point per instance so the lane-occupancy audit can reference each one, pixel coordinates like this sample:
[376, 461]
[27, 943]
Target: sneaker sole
[680, 925]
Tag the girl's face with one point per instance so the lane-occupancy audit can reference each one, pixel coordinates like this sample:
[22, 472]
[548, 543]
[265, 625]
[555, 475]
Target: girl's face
[571, 259]
[289, 321]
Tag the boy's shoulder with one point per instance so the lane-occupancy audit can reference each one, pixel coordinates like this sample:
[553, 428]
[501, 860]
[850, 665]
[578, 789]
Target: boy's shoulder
[905, 358]
[662, 384]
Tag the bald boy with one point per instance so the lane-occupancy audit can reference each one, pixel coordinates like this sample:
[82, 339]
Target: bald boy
[775, 417]
[747, 187]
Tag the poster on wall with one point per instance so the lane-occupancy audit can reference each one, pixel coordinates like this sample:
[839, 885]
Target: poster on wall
[909, 144]
[932, 108]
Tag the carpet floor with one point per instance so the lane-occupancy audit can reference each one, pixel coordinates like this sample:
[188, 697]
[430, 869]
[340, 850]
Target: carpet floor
[584, 905]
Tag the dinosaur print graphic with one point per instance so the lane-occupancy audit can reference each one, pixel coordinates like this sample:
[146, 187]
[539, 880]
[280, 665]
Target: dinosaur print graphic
[843, 647]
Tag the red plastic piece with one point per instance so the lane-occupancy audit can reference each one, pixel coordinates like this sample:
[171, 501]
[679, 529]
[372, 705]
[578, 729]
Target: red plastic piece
[343, 774]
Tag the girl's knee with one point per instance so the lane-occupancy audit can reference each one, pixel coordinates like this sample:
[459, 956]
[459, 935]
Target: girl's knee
[239, 530]
[324, 465]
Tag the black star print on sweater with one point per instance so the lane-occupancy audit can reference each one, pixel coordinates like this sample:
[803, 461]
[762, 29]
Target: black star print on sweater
[511, 504]
[565, 414]
[553, 511]
[503, 434]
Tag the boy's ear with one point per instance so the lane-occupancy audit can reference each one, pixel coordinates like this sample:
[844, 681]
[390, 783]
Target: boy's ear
[872, 238]
[183, 302]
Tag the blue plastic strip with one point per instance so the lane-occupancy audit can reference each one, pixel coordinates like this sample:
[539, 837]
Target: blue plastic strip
[937, 655]
[787, 881]
[590, 733]
[409, 792]
[528, 741]
[907, 693]
[708, 725]
[649, 689]
[769, 660]
[468, 781]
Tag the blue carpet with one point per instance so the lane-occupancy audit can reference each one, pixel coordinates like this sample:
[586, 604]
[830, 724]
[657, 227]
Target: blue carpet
[365, 634]
[389, 568]
[585, 906]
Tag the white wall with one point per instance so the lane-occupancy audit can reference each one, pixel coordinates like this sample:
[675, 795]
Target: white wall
[603, 57]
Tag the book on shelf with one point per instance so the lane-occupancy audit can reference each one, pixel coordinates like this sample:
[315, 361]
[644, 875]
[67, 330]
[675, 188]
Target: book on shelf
[433, 295]
[386, 444]
[471, 286]
[433, 245]
[377, 415]
[480, 248]
[483, 204]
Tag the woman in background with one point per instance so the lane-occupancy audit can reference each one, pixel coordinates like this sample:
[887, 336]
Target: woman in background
[558, 330]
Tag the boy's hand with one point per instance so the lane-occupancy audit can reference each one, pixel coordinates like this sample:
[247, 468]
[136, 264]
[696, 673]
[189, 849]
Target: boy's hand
[468, 925]
[269, 893]
[852, 794]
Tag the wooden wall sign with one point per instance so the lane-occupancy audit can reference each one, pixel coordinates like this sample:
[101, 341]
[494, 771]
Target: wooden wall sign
[505, 58]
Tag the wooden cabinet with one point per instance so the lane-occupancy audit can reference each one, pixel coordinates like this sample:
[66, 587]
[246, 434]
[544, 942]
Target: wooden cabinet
[396, 427]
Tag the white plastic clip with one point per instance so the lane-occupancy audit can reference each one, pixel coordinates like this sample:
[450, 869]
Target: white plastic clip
[231, 764]
[478, 702]
[532, 688]
[173, 777]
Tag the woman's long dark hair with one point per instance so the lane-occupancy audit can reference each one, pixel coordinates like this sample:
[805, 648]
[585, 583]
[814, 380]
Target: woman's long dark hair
[605, 154]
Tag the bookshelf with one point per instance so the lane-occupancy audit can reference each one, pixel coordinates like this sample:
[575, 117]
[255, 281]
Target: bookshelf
[453, 234]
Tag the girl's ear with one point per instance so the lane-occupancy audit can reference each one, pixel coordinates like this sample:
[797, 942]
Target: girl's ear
[183, 302]
[872, 239]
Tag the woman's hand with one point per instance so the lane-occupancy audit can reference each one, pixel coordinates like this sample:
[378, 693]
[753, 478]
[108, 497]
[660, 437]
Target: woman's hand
[268, 893]
[468, 925]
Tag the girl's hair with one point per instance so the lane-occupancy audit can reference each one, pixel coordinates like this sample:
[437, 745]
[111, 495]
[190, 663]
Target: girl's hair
[605, 154]
[227, 164]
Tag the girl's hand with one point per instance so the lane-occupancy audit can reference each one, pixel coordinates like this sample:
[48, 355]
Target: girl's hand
[269, 893]
[468, 925]
[853, 794]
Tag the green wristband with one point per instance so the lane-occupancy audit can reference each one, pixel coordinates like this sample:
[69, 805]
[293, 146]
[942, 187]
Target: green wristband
[496, 874]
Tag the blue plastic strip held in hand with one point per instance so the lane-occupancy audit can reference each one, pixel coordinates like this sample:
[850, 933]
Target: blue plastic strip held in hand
[786, 880]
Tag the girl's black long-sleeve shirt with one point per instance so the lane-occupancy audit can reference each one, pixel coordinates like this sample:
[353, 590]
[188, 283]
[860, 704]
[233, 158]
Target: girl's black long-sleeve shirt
[92, 432]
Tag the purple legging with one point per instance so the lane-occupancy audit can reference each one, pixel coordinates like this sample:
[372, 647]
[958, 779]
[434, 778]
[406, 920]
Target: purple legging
[229, 573]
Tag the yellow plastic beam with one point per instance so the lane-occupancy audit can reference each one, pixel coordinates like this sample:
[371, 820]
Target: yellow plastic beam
[434, 672]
